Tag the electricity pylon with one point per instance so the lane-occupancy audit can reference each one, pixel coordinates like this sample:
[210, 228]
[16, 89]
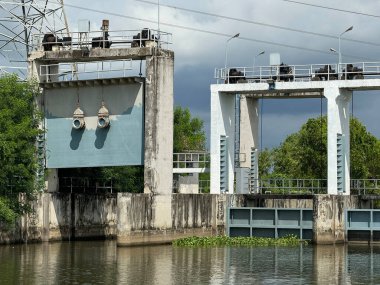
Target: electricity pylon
[21, 21]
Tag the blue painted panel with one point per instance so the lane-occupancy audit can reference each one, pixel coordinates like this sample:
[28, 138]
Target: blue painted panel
[287, 232]
[120, 144]
[240, 216]
[266, 233]
[263, 217]
[376, 219]
[240, 232]
[288, 217]
[359, 219]
[307, 218]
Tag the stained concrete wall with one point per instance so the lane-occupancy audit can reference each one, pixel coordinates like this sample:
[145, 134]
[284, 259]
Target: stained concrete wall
[140, 219]
[329, 218]
[59, 216]
[150, 219]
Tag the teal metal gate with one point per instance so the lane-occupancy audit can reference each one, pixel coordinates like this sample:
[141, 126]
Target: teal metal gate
[270, 222]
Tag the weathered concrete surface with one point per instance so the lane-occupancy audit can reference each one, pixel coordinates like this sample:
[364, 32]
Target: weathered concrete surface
[95, 216]
[61, 216]
[91, 55]
[329, 218]
[188, 184]
[288, 203]
[10, 233]
[153, 219]
[148, 219]
[158, 155]
[279, 201]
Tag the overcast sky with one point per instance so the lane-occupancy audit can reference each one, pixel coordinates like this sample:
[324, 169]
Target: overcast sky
[198, 53]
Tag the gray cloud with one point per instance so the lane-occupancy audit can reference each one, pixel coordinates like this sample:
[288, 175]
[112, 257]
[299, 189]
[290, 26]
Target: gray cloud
[197, 54]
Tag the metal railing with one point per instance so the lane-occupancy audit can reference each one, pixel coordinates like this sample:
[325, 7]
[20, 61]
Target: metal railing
[312, 72]
[109, 39]
[87, 185]
[85, 70]
[312, 186]
[191, 160]
[289, 186]
[365, 186]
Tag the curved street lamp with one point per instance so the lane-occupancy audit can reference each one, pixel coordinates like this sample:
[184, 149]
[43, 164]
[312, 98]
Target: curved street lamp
[254, 61]
[225, 61]
[340, 54]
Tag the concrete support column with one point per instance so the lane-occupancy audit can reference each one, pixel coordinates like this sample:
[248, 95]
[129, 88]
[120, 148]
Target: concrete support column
[52, 180]
[338, 123]
[329, 221]
[222, 124]
[249, 134]
[158, 155]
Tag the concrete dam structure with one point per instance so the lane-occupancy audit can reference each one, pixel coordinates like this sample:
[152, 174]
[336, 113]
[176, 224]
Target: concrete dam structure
[98, 112]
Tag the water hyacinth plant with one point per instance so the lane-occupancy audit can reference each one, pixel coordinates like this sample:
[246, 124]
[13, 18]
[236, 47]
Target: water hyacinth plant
[214, 241]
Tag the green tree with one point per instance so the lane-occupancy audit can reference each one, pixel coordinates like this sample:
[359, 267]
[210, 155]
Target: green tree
[18, 133]
[189, 134]
[304, 154]
[125, 178]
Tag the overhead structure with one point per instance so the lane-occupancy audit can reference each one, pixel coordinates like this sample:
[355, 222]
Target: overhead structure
[20, 20]
[335, 82]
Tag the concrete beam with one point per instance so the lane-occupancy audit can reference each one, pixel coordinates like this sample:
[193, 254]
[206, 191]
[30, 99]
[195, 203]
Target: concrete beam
[97, 54]
[90, 82]
[306, 89]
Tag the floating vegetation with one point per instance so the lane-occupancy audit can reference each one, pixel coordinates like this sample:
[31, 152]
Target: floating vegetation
[290, 240]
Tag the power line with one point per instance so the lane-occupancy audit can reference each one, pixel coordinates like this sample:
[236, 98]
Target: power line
[334, 9]
[212, 32]
[258, 23]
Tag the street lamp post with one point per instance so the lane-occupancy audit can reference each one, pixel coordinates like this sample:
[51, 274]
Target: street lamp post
[340, 54]
[225, 61]
[254, 62]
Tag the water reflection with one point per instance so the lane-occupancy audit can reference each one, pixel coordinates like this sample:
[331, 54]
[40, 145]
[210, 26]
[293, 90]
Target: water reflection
[104, 263]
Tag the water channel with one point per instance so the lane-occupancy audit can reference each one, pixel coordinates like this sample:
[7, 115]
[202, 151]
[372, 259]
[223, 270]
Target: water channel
[102, 262]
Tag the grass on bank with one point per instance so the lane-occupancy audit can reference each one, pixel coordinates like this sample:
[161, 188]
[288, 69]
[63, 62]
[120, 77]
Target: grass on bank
[290, 240]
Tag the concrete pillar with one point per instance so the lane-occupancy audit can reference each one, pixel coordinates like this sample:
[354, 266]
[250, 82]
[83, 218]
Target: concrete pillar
[34, 66]
[249, 135]
[338, 122]
[158, 155]
[249, 128]
[222, 124]
[52, 180]
[329, 221]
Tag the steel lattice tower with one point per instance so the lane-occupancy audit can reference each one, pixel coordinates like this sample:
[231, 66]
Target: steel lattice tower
[19, 21]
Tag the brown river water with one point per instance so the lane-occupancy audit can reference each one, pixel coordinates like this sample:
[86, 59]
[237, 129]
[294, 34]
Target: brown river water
[102, 262]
